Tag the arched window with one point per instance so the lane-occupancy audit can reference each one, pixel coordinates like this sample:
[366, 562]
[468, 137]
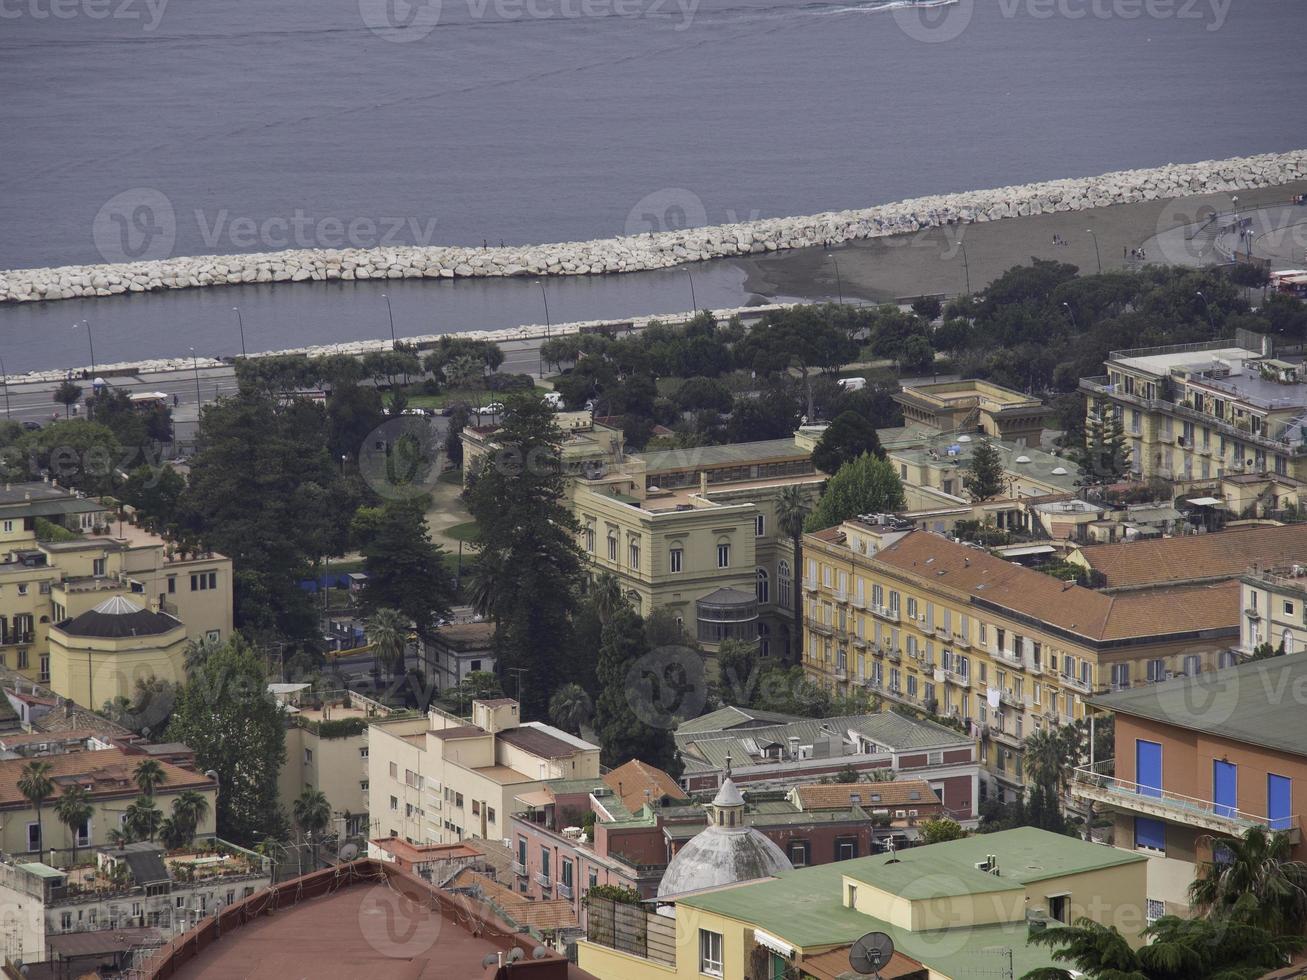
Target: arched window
[783, 583]
[763, 590]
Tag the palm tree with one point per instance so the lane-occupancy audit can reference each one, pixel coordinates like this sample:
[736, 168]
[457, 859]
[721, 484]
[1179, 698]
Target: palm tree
[119, 837]
[606, 594]
[312, 812]
[570, 708]
[149, 775]
[482, 582]
[143, 818]
[189, 810]
[198, 653]
[792, 508]
[388, 634]
[1178, 949]
[73, 808]
[34, 782]
[173, 834]
[1257, 864]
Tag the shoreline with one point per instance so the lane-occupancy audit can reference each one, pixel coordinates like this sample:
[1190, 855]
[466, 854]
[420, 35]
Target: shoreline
[664, 249]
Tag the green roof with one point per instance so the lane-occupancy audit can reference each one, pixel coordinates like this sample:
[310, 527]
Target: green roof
[42, 870]
[805, 906]
[737, 453]
[730, 717]
[1250, 702]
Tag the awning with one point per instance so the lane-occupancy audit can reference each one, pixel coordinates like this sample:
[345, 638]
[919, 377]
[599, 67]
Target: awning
[1030, 549]
[775, 944]
[539, 797]
[1204, 501]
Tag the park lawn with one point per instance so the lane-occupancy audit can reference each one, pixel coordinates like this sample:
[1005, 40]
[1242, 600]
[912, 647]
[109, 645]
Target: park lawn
[467, 531]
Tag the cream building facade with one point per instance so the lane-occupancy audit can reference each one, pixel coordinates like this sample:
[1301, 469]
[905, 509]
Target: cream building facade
[1203, 411]
[43, 583]
[439, 779]
[920, 620]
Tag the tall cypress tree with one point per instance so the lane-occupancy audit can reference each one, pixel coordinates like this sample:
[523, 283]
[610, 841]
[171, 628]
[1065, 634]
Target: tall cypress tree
[984, 478]
[529, 562]
[621, 726]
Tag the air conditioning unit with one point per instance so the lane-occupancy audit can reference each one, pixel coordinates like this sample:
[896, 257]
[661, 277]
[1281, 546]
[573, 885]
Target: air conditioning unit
[900, 814]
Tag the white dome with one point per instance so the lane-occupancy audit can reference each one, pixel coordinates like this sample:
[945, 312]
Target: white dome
[1059, 471]
[725, 853]
[1023, 459]
[964, 438]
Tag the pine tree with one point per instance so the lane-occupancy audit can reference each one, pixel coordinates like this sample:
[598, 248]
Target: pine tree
[865, 485]
[529, 563]
[984, 477]
[621, 725]
[1106, 456]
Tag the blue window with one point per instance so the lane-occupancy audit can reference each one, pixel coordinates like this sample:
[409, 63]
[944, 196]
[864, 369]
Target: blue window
[1148, 767]
[1279, 801]
[1150, 833]
[1225, 781]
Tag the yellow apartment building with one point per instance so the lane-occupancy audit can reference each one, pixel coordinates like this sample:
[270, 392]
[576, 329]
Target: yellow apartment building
[43, 583]
[953, 911]
[972, 406]
[327, 750]
[439, 779]
[1203, 411]
[921, 620]
[107, 775]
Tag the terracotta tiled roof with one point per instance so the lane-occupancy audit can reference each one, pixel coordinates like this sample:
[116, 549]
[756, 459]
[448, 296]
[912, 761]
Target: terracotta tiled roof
[108, 772]
[1225, 554]
[630, 780]
[839, 796]
[1084, 612]
[555, 913]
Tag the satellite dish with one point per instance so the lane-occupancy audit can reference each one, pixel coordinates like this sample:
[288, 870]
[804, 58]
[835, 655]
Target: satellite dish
[349, 852]
[870, 953]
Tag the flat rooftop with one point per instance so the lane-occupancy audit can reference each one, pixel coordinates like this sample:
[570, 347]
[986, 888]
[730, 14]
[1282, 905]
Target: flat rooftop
[1163, 362]
[733, 454]
[1252, 702]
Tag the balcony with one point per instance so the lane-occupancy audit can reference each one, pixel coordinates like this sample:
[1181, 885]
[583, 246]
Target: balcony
[957, 680]
[885, 613]
[564, 890]
[841, 673]
[1035, 667]
[1011, 697]
[519, 869]
[999, 734]
[1097, 783]
[841, 596]
[962, 642]
[895, 656]
[1070, 680]
[809, 585]
[542, 879]
[859, 601]
[860, 642]
[1252, 613]
[823, 628]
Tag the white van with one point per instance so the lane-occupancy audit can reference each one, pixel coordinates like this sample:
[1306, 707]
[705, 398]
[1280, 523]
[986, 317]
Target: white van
[853, 384]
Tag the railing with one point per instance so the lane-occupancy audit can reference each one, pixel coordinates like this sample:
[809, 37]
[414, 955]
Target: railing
[1099, 782]
[564, 890]
[809, 585]
[519, 869]
[543, 880]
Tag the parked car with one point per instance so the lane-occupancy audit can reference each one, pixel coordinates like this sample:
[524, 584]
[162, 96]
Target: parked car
[494, 408]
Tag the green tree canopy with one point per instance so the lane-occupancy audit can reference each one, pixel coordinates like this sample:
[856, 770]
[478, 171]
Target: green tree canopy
[406, 570]
[237, 730]
[529, 563]
[844, 440]
[623, 733]
[983, 478]
[866, 485]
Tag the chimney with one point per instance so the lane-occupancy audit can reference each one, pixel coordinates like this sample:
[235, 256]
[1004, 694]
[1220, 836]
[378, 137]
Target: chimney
[703, 483]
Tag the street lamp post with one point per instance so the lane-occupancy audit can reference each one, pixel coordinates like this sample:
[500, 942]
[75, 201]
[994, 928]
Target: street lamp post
[1208, 307]
[4, 376]
[1097, 254]
[694, 303]
[549, 327]
[839, 283]
[90, 340]
[1072, 314]
[391, 313]
[199, 399]
[240, 322]
[965, 264]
